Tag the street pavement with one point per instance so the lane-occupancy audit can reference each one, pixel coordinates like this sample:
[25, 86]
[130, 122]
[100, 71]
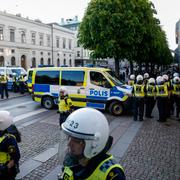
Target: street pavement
[147, 150]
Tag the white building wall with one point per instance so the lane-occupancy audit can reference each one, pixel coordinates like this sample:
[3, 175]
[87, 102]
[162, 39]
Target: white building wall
[27, 49]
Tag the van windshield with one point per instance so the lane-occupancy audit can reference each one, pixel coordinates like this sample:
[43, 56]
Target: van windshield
[113, 78]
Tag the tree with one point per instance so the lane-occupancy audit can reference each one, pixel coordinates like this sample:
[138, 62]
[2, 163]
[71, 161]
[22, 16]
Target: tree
[114, 28]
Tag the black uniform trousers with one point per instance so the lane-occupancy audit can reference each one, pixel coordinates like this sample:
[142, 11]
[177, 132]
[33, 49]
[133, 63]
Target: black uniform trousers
[138, 108]
[162, 108]
[150, 102]
[4, 89]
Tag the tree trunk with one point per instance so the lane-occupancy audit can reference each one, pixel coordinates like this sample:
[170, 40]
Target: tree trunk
[117, 67]
[131, 67]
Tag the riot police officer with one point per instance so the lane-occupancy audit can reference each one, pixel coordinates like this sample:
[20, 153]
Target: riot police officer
[3, 85]
[131, 80]
[150, 97]
[176, 95]
[65, 105]
[87, 144]
[162, 98]
[138, 100]
[9, 151]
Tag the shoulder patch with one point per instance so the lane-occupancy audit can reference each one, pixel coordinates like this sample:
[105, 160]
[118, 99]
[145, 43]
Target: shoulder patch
[106, 165]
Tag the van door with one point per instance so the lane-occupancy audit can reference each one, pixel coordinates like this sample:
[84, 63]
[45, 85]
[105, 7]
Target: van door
[74, 81]
[98, 90]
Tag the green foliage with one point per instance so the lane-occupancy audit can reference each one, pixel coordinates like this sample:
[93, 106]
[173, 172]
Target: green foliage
[122, 29]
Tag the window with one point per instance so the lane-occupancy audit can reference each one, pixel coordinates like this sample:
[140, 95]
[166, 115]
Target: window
[57, 42]
[33, 62]
[47, 77]
[1, 34]
[64, 61]
[72, 78]
[64, 43]
[70, 62]
[41, 40]
[70, 43]
[78, 53]
[98, 79]
[42, 61]
[12, 35]
[48, 41]
[33, 38]
[23, 37]
[58, 62]
[30, 75]
[13, 61]
[49, 61]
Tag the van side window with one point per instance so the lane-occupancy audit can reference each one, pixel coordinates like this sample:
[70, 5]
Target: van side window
[47, 77]
[98, 79]
[72, 78]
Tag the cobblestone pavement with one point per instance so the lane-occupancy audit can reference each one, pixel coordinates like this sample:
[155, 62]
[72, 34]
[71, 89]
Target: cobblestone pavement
[154, 153]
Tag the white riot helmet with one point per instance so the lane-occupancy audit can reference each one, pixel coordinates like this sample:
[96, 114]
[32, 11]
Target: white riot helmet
[64, 91]
[151, 81]
[176, 74]
[139, 78]
[89, 125]
[14, 74]
[159, 80]
[2, 73]
[132, 77]
[6, 120]
[146, 76]
[176, 80]
[165, 77]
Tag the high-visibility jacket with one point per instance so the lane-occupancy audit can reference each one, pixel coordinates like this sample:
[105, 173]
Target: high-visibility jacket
[139, 90]
[3, 79]
[4, 156]
[65, 104]
[100, 173]
[131, 82]
[161, 91]
[150, 90]
[176, 89]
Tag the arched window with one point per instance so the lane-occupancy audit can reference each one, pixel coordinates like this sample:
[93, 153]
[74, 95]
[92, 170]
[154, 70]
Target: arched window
[42, 61]
[13, 61]
[58, 62]
[49, 61]
[64, 61]
[1, 61]
[70, 62]
[33, 62]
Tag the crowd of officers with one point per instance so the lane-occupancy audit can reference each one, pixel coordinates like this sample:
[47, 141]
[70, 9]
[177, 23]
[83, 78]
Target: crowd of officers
[147, 91]
[18, 84]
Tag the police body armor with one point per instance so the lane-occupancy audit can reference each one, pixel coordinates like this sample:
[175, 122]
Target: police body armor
[139, 90]
[150, 90]
[162, 91]
[101, 171]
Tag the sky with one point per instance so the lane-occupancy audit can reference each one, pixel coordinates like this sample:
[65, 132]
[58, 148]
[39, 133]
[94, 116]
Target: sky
[53, 10]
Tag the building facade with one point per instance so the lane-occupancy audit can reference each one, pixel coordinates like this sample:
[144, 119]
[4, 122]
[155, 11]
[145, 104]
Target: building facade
[177, 50]
[29, 43]
[82, 56]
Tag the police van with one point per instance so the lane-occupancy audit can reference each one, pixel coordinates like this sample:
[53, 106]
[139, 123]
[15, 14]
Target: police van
[29, 79]
[87, 87]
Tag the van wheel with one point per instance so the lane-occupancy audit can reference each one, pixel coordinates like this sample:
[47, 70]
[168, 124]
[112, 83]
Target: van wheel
[48, 103]
[116, 108]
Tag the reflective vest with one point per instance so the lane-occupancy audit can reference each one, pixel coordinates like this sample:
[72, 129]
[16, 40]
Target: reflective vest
[65, 104]
[150, 90]
[161, 90]
[4, 156]
[176, 89]
[3, 79]
[131, 82]
[139, 90]
[100, 173]
[21, 79]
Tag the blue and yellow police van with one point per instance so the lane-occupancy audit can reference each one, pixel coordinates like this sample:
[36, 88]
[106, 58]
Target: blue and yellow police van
[87, 87]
